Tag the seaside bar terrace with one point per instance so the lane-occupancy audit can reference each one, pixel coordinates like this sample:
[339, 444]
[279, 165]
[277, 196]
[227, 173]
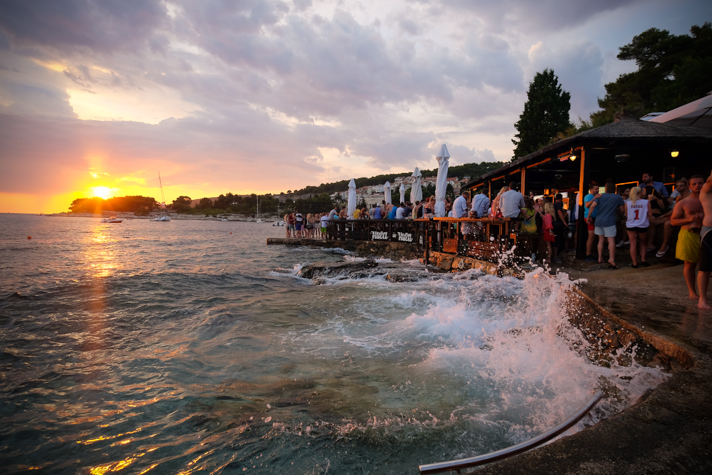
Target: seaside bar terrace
[619, 152]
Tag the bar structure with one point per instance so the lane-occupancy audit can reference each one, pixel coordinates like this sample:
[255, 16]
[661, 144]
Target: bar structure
[620, 152]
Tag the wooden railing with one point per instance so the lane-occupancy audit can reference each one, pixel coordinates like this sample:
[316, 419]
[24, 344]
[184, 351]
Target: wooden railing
[485, 239]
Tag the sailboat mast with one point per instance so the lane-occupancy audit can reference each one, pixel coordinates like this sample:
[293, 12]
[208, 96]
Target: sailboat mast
[163, 197]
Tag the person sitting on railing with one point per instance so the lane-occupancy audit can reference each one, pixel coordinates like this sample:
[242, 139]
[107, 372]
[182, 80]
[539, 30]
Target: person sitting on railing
[480, 205]
[377, 213]
[400, 210]
[392, 212]
[364, 213]
[428, 207]
[660, 215]
[511, 202]
[496, 212]
[372, 211]
[357, 213]
[418, 210]
[408, 210]
[459, 209]
[334, 213]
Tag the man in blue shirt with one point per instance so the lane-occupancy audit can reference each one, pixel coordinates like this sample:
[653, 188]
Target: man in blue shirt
[459, 209]
[605, 226]
[480, 205]
[647, 180]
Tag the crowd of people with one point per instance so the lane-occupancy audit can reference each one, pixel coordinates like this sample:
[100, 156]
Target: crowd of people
[614, 220]
[314, 225]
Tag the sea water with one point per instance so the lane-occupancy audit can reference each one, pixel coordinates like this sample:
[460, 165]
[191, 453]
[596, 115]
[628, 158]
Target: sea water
[192, 347]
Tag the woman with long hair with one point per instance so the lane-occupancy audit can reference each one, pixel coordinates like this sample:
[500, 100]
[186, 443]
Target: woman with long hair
[637, 213]
[496, 212]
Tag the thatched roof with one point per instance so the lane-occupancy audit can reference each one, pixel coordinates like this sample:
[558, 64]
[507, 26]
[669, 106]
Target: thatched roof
[629, 130]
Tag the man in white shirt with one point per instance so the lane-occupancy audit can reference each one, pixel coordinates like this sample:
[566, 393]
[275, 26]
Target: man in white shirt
[400, 210]
[459, 208]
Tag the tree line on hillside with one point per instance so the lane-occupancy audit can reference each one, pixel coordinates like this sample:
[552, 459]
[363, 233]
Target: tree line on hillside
[473, 170]
[135, 204]
[247, 205]
[672, 71]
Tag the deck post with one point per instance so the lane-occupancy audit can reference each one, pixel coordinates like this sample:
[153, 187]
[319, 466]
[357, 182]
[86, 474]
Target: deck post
[524, 181]
[581, 225]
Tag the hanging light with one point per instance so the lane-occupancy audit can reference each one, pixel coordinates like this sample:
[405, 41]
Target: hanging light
[620, 158]
[674, 153]
[573, 157]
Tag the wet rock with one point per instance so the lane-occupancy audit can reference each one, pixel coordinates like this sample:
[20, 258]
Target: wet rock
[320, 269]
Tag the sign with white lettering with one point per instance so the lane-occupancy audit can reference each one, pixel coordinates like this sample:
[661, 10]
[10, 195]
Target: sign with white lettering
[379, 235]
[405, 237]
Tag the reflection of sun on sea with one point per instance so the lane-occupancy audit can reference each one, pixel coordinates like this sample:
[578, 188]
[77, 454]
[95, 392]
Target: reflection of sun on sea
[100, 258]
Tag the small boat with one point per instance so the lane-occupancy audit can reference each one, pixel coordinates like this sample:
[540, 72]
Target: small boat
[164, 215]
[279, 223]
[111, 220]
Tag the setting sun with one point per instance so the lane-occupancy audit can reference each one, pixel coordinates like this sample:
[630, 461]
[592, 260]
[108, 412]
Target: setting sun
[101, 192]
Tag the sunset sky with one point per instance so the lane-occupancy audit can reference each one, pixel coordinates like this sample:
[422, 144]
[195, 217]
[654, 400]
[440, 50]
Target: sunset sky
[97, 97]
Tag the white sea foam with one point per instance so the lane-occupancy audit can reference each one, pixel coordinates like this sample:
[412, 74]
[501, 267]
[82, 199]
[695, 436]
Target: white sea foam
[509, 339]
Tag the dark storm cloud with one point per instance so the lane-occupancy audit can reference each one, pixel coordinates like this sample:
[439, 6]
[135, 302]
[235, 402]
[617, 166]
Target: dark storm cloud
[102, 26]
[541, 15]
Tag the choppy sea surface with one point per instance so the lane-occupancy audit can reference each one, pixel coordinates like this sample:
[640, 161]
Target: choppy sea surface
[192, 347]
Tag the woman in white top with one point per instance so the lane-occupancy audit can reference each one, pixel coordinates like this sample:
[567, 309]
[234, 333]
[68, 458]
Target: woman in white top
[637, 213]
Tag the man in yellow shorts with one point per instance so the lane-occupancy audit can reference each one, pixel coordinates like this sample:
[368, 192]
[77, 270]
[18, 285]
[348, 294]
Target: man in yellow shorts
[688, 214]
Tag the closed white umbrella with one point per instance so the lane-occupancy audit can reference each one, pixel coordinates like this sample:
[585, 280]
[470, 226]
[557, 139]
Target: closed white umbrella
[402, 193]
[443, 159]
[352, 198]
[416, 193]
[387, 192]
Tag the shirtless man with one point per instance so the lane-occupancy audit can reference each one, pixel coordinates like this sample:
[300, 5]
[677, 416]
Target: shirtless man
[703, 276]
[688, 214]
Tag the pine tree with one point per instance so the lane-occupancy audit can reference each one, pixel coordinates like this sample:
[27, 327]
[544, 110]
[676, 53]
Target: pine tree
[546, 113]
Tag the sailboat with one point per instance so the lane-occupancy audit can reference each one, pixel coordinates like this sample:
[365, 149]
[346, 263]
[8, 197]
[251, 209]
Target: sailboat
[164, 214]
[258, 211]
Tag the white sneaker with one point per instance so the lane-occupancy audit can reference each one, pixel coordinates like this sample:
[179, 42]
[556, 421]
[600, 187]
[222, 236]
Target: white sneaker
[622, 243]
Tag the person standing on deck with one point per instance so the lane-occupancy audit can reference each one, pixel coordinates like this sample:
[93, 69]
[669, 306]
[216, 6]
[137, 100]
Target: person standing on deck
[590, 219]
[703, 277]
[605, 228]
[688, 214]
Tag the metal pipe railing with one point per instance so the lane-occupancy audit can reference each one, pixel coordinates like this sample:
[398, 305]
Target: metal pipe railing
[515, 449]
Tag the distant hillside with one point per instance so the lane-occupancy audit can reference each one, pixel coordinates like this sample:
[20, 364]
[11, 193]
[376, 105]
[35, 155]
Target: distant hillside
[472, 170]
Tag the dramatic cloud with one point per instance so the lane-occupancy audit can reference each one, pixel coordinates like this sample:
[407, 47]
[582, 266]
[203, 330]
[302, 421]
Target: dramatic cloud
[269, 95]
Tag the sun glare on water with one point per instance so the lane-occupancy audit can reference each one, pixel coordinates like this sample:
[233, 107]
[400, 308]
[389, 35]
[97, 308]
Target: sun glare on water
[101, 192]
